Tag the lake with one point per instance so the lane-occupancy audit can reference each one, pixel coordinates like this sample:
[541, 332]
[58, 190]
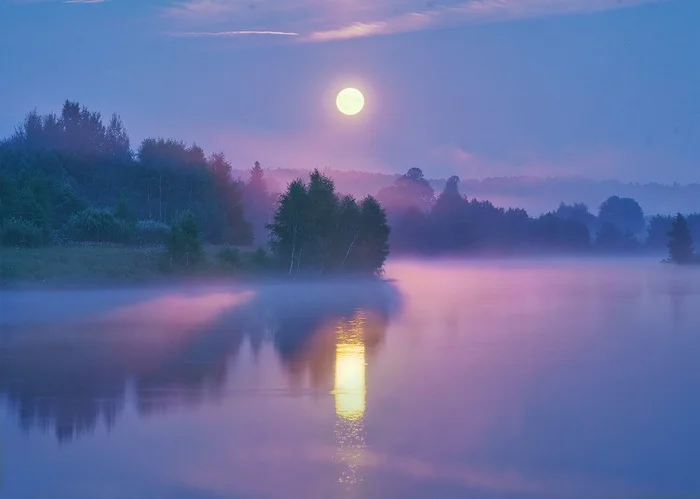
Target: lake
[491, 379]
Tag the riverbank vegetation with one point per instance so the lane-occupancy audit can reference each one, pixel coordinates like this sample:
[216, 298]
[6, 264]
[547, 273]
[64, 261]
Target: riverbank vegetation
[450, 223]
[71, 179]
[72, 184]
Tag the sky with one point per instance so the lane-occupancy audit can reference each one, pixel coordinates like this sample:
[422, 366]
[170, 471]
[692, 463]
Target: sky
[603, 89]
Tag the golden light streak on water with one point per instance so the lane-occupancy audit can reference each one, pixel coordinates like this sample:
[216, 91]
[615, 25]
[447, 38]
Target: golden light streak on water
[350, 392]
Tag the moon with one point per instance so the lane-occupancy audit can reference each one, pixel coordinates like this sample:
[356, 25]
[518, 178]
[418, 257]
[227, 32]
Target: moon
[350, 101]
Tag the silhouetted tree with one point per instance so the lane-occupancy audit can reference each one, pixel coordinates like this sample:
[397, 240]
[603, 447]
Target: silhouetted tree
[117, 144]
[323, 205]
[346, 232]
[448, 220]
[624, 214]
[373, 242]
[235, 228]
[580, 213]
[610, 238]
[184, 245]
[660, 225]
[657, 231]
[313, 229]
[289, 228]
[680, 244]
[551, 231]
[411, 231]
[257, 202]
[410, 189]
[58, 165]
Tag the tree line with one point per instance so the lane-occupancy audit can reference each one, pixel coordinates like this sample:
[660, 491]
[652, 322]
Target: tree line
[72, 177]
[424, 223]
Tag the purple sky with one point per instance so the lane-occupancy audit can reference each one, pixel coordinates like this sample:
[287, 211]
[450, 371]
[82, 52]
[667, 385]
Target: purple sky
[594, 88]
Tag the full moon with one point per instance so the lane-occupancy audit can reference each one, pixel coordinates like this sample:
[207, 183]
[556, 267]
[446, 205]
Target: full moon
[350, 101]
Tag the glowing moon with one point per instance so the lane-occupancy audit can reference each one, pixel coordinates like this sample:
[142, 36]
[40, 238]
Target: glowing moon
[350, 101]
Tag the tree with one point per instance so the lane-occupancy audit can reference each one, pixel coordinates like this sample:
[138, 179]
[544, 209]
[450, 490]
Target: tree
[624, 214]
[257, 182]
[323, 207]
[580, 213]
[257, 202]
[410, 189]
[117, 144]
[373, 243]
[347, 231]
[184, 245]
[657, 231]
[411, 231]
[220, 167]
[313, 229]
[551, 231]
[448, 222]
[610, 238]
[289, 227]
[123, 212]
[680, 244]
[82, 130]
[235, 229]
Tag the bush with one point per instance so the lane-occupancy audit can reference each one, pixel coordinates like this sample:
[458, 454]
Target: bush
[65, 202]
[99, 226]
[122, 212]
[184, 244]
[259, 257]
[229, 256]
[152, 232]
[21, 233]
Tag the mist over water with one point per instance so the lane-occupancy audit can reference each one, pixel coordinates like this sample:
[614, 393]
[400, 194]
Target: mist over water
[520, 378]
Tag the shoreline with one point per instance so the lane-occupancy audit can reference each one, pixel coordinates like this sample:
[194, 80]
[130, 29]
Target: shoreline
[114, 266]
[117, 267]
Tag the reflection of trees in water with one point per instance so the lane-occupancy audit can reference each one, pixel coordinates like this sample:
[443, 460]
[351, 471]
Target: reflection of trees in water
[71, 378]
[61, 387]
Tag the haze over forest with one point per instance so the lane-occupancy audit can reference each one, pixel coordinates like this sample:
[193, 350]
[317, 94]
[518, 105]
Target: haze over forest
[532, 193]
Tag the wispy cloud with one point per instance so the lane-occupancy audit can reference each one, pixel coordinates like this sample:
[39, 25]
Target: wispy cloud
[457, 13]
[215, 34]
[202, 8]
[323, 20]
[84, 1]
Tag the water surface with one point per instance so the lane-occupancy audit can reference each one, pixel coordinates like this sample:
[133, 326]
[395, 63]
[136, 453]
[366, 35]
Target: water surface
[496, 379]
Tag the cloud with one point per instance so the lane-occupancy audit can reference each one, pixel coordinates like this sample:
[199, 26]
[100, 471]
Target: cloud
[214, 34]
[202, 8]
[84, 1]
[464, 12]
[322, 20]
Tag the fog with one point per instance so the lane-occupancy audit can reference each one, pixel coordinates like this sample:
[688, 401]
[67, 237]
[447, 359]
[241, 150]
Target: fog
[484, 378]
[536, 195]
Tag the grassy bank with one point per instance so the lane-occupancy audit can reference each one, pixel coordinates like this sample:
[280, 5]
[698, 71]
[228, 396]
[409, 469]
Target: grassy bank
[100, 264]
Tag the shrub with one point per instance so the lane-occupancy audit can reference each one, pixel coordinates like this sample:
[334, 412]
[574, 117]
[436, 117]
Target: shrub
[99, 226]
[122, 212]
[229, 256]
[152, 232]
[259, 257]
[65, 202]
[184, 244]
[21, 233]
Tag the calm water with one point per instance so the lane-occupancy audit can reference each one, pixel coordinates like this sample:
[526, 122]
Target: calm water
[517, 379]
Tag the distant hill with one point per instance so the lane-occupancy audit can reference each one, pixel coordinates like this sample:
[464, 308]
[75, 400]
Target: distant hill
[536, 195]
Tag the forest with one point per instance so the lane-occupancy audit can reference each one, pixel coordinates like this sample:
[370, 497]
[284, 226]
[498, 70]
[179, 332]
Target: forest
[450, 223]
[75, 179]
